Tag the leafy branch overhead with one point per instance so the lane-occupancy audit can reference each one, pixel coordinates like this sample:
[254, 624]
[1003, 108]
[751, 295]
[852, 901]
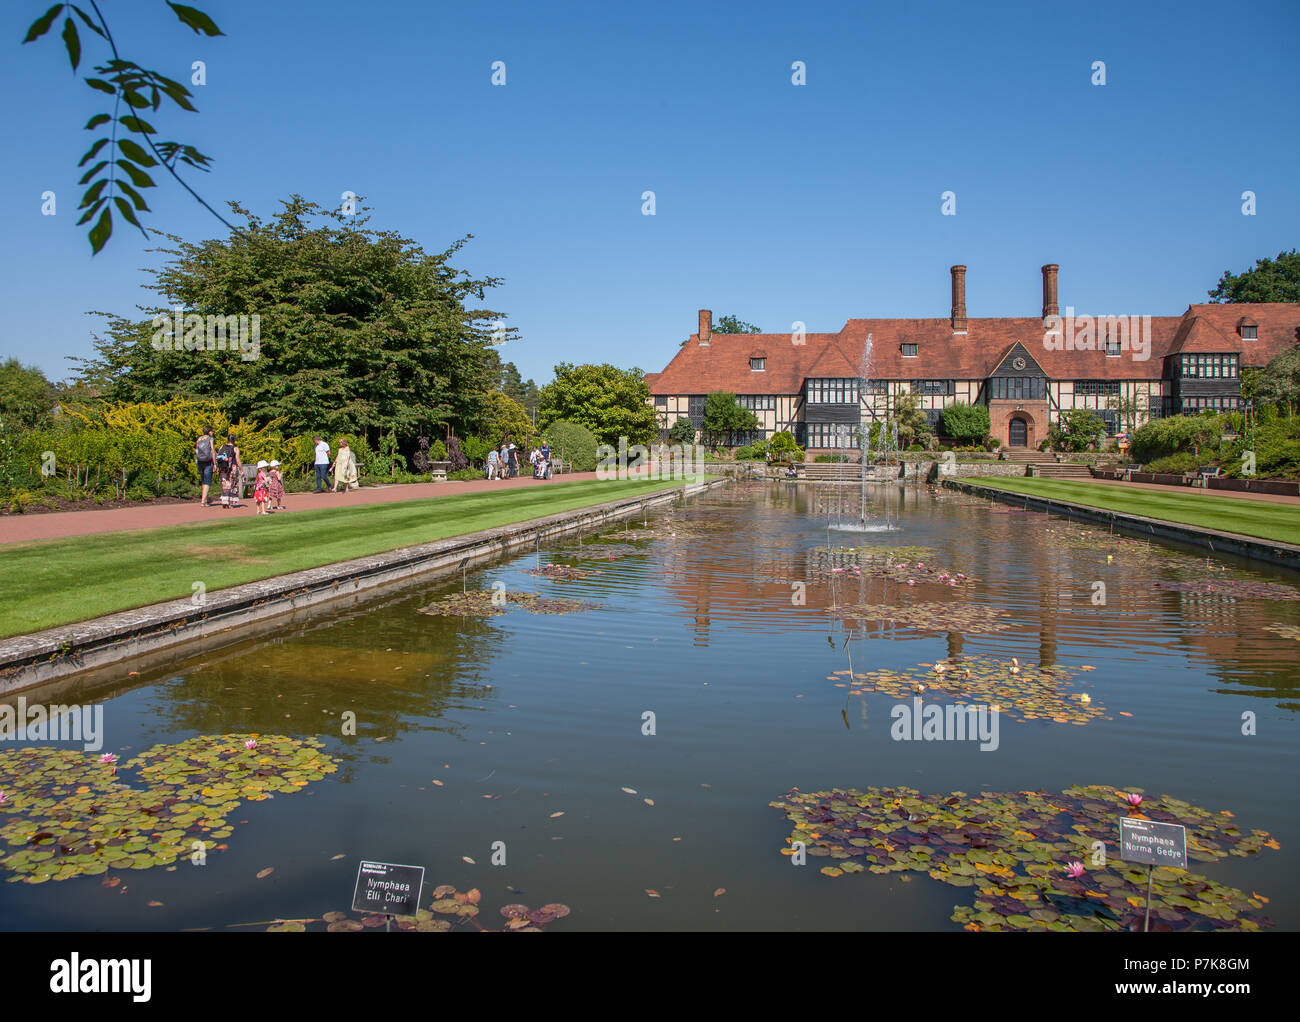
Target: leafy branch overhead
[121, 173]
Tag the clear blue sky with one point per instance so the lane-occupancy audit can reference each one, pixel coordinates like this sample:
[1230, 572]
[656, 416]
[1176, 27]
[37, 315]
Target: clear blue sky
[774, 202]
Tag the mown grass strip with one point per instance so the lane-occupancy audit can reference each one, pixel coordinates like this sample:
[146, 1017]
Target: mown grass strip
[57, 582]
[1240, 515]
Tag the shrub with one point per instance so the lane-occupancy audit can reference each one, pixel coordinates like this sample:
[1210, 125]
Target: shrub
[1076, 430]
[466, 474]
[784, 448]
[573, 443]
[1183, 461]
[756, 451]
[966, 423]
[1276, 446]
[438, 450]
[1161, 437]
[833, 459]
[683, 432]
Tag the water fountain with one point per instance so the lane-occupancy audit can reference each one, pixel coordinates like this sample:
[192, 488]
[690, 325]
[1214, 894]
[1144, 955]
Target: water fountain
[866, 461]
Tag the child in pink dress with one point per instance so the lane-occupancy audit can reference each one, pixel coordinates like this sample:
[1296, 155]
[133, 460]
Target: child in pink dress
[275, 487]
[259, 489]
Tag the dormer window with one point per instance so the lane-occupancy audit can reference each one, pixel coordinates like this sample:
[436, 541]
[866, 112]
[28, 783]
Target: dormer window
[909, 351]
[757, 365]
[1113, 346]
[1247, 329]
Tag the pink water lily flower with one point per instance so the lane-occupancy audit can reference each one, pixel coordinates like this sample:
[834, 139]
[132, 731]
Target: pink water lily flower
[1134, 800]
[1074, 869]
[911, 581]
[250, 743]
[108, 757]
[837, 571]
[3, 798]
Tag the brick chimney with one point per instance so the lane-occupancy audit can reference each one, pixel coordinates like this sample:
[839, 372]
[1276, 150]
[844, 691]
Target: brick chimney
[1050, 307]
[958, 299]
[706, 325]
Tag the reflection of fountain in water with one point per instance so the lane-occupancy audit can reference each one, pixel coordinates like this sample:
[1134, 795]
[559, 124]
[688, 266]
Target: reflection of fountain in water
[862, 523]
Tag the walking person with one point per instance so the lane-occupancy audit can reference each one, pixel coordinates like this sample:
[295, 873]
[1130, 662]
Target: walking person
[275, 487]
[322, 464]
[205, 456]
[514, 461]
[493, 461]
[261, 494]
[231, 470]
[545, 450]
[345, 468]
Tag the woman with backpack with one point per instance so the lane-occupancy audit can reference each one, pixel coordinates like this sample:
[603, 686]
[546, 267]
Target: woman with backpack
[231, 470]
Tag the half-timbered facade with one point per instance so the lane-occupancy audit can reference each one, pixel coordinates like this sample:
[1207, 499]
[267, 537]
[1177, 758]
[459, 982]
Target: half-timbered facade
[1026, 371]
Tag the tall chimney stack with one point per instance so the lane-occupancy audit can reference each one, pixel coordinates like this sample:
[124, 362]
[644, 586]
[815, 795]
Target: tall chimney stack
[1050, 307]
[958, 299]
[706, 325]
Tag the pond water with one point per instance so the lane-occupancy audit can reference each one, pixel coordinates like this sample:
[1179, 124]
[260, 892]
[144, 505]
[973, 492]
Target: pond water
[703, 623]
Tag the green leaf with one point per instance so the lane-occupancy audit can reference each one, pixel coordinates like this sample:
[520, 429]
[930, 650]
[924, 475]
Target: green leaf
[136, 154]
[141, 179]
[90, 212]
[102, 231]
[93, 171]
[101, 85]
[135, 124]
[136, 197]
[42, 24]
[90, 153]
[196, 19]
[136, 100]
[72, 42]
[97, 120]
[128, 212]
[90, 24]
[92, 193]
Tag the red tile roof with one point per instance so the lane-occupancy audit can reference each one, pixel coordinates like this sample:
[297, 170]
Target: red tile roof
[723, 364]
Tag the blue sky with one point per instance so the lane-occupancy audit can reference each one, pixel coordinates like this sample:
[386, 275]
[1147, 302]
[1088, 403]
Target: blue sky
[774, 202]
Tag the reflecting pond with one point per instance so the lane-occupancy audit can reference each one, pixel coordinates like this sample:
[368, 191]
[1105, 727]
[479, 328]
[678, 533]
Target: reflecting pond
[765, 653]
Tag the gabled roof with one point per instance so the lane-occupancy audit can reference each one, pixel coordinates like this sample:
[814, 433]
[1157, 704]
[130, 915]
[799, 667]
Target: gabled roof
[941, 354]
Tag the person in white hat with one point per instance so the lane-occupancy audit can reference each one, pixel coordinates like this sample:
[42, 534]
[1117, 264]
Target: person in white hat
[275, 487]
[260, 495]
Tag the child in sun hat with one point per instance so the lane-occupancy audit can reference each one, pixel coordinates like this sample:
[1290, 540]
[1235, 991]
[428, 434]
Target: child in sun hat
[275, 487]
[260, 490]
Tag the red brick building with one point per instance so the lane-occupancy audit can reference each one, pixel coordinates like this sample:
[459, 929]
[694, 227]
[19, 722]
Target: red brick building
[1027, 371]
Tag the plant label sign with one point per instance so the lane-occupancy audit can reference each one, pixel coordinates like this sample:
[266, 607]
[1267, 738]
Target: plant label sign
[1156, 844]
[391, 889]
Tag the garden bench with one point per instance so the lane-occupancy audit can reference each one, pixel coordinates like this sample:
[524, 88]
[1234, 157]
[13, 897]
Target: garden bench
[1208, 472]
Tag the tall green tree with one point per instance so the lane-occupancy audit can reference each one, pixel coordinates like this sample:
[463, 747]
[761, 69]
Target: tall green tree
[732, 325]
[1269, 280]
[361, 331]
[609, 401]
[26, 396]
[1278, 383]
[723, 418]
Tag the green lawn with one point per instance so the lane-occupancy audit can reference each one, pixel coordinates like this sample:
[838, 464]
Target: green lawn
[1241, 515]
[55, 582]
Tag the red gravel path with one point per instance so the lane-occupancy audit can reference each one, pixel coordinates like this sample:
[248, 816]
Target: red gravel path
[23, 528]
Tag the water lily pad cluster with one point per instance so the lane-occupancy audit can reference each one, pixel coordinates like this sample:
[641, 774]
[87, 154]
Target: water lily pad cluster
[1125, 550]
[872, 554]
[488, 603]
[1030, 857]
[1286, 631]
[449, 909]
[66, 813]
[928, 617]
[1240, 589]
[1021, 691]
[562, 572]
[630, 535]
